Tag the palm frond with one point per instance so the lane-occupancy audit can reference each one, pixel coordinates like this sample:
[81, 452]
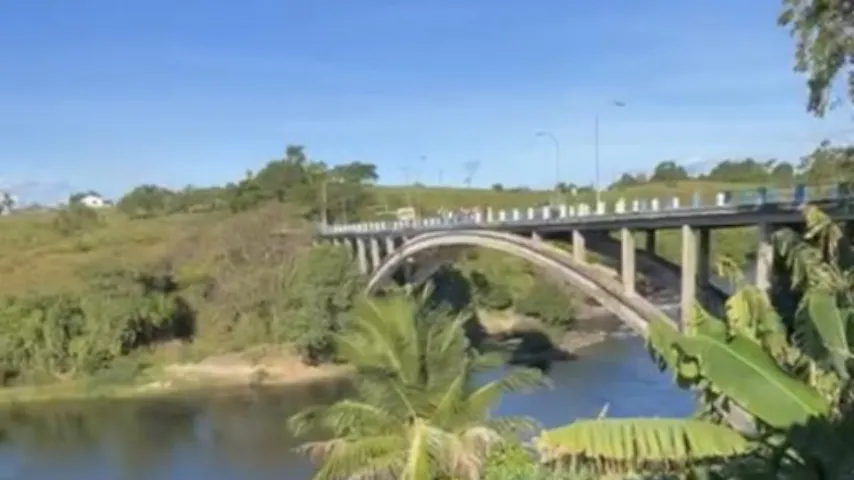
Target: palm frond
[355, 457]
[516, 379]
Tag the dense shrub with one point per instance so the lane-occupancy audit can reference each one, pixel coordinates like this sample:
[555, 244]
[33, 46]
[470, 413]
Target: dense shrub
[550, 303]
[75, 218]
[489, 294]
[59, 337]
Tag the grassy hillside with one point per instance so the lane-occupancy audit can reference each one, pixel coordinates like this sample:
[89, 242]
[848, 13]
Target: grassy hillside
[36, 256]
[433, 198]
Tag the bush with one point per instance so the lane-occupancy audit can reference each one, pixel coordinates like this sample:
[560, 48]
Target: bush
[513, 462]
[490, 295]
[263, 287]
[549, 303]
[59, 337]
[76, 218]
[315, 302]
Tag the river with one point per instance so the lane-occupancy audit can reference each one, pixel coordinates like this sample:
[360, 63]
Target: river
[244, 436]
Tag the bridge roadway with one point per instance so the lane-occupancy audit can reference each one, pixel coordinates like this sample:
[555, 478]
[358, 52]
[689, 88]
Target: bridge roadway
[420, 247]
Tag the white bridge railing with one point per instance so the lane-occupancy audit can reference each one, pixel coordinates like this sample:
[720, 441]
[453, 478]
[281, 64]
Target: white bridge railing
[622, 206]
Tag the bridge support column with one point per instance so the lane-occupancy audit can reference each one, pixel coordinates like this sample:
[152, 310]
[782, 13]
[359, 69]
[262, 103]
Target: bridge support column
[389, 245]
[704, 258]
[346, 243]
[627, 259]
[579, 249]
[362, 255]
[408, 265]
[650, 241]
[764, 257]
[689, 273]
[376, 254]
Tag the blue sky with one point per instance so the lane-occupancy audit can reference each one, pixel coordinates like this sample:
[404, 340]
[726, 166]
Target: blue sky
[108, 94]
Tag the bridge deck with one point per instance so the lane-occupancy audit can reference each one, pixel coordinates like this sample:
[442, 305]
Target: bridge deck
[723, 216]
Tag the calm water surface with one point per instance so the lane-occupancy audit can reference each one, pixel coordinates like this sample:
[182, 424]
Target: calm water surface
[244, 437]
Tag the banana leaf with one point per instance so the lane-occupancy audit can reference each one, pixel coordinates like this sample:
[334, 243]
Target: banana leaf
[745, 373]
[629, 444]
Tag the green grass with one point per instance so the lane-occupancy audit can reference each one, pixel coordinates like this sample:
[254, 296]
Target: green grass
[434, 198]
[35, 257]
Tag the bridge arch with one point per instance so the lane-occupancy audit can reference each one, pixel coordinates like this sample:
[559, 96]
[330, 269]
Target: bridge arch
[634, 310]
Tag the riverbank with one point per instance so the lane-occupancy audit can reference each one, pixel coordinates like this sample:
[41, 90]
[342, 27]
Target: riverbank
[284, 369]
[216, 372]
[594, 325]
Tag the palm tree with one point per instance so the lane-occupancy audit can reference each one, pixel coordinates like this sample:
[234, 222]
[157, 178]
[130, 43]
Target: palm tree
[417, 412]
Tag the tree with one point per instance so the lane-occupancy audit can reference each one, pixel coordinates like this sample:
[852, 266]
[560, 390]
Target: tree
[824, 35]
[246, 194]
[77, 197]
[747, 170]
[7, 202]
[783, 173]
[146, 200]
[668, 171]
[416, 413]
[628, 180]
[355, 172]
[828, 164]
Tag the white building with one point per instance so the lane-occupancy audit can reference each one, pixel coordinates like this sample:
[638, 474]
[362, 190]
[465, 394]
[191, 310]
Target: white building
[93, 201]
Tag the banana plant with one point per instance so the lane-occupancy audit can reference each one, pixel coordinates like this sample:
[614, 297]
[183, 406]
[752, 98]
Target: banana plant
[785, 369]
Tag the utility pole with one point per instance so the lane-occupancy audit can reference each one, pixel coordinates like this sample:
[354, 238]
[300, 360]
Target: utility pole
[324, 219]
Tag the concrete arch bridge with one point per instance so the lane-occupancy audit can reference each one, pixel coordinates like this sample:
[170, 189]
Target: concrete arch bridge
[424, 254]
[421, 246]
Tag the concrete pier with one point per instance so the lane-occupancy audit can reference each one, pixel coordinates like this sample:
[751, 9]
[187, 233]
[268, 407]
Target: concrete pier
[362, 255]
[764, 257]
[689, 272]
[627, 259]
[579, 249]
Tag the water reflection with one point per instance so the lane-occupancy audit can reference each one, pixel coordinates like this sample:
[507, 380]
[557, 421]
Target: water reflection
[618, 373]
[226, 436]
[243, 435]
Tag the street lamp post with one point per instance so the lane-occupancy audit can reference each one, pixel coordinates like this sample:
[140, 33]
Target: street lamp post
[324, 199]
[557, 154]
[615, 103]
